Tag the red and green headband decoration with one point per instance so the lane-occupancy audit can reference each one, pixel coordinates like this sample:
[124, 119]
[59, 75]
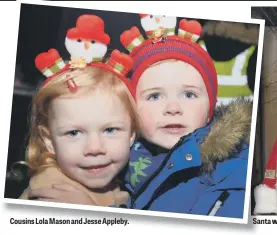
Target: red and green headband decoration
[131, 38]
[88, 39]
[87, 45]
[157, 25]
[50, 63]
[188, 30]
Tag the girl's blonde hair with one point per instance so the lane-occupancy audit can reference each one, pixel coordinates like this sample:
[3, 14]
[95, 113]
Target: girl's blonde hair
[88, 79]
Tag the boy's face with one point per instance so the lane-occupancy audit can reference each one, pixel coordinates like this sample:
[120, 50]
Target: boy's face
[172, 101]
[90, 136]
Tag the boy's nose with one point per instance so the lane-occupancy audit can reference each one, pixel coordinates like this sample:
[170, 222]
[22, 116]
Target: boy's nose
[94, 147]
[173, 108]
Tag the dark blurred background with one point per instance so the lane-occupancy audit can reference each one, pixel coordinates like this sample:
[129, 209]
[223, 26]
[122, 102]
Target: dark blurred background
[44, 27]
[269, 14]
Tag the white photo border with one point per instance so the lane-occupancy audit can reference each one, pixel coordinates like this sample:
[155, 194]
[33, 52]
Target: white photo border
[130, 5]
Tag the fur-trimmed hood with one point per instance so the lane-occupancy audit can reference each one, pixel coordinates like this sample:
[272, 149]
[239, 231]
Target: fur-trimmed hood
[231, 129]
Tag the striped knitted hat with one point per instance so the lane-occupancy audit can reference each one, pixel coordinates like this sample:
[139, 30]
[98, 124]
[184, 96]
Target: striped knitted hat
[87, 45]
[163, 45]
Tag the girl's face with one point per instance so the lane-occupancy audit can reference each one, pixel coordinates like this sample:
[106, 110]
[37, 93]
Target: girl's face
[172, 101]
[90, 136]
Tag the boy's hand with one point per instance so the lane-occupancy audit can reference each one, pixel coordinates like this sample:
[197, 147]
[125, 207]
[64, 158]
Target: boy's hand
[63, 193]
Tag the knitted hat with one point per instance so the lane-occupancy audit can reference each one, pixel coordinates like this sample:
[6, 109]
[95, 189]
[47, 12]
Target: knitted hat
[265, 193]
[87, 45]
[162, 45]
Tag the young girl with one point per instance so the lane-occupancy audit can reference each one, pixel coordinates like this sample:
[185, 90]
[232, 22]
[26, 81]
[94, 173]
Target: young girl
[80, 116]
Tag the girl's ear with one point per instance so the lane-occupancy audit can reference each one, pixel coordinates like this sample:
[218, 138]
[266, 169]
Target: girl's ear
[132, 139]
[46, 137]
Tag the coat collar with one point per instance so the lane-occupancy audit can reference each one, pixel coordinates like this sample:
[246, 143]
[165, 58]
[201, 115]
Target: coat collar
[229, 132]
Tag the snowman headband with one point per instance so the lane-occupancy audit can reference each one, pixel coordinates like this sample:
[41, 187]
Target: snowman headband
[158, 29]
[87, 44]
[162, 43]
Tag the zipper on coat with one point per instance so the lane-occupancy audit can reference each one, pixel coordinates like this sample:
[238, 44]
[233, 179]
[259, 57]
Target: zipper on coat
[219, 203]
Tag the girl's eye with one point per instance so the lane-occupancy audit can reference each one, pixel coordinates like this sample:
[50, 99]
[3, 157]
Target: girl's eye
[189, 95]
[111, 130]
[151, 16]
[154, 96]
[73, 133]
[79, 40]
[92, 41]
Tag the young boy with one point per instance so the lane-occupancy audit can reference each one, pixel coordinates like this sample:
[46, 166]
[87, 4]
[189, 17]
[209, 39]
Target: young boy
[190, 158]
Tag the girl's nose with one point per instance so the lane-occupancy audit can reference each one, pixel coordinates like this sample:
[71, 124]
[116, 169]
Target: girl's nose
[95, 147]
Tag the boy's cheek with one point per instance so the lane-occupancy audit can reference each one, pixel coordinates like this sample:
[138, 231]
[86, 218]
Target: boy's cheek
[201, 117]
[145, 122]
[146, 118]
[147, 112]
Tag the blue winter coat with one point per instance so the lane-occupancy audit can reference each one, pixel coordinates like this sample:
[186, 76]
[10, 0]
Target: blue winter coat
[203, 174]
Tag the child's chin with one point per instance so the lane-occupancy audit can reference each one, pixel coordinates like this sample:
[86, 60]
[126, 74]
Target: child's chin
[168, 144]
[97, 184]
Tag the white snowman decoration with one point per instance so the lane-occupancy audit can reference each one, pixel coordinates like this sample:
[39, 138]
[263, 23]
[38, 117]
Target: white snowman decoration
[87, 41]
[154, 25]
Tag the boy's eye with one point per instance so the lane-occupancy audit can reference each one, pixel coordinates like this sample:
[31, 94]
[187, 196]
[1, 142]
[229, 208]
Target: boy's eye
[189, 95]
[151, 16]
[79, 40]
[73, 133]
[154, 96]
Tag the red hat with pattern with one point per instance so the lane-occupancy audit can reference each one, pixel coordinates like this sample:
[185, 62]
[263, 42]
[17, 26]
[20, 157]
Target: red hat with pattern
[87, 45]
[163, 43]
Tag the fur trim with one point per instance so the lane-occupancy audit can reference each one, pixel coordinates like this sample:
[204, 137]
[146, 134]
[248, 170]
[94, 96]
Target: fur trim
[229, 132]
[247, 33]
[266, 200]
